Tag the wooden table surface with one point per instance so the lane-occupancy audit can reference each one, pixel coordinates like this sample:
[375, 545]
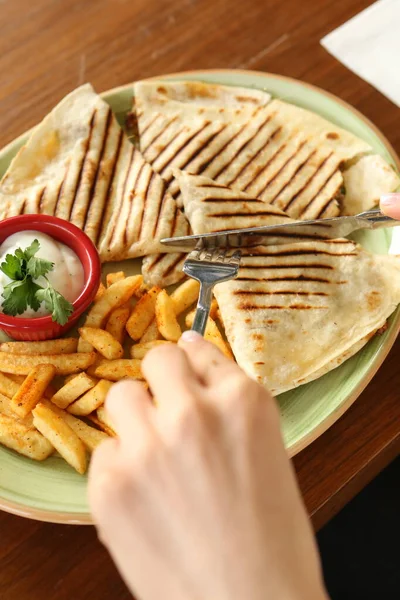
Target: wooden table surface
[47, 48]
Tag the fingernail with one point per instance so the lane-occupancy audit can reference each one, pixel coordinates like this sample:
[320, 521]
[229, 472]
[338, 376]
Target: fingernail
[390, 199]
[191, 336]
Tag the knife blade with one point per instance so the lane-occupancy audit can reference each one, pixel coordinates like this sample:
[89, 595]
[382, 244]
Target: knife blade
[294, 232]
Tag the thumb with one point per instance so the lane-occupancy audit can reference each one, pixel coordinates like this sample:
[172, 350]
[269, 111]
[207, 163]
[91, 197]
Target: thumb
[390, 205]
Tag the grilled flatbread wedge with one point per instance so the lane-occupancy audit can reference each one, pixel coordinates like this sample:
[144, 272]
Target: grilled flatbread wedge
[211, 206]
[208, 100]
[163, 269]
[79, 165]
[297, 311]
[283, 154]
[366, 181]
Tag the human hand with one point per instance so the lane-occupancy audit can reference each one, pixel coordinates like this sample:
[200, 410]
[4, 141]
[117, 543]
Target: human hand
[197, 498]
[390, 205]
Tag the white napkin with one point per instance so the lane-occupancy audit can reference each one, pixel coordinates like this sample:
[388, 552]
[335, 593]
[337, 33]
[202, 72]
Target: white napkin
[369, 45]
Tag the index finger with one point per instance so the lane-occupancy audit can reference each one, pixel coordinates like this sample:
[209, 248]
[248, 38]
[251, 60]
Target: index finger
[390, 205]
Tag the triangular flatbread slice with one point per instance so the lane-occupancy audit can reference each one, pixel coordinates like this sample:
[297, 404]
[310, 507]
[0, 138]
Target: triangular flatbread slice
[208, 100]
[282, 154]
[163, 269]
[211, 206]
[297, 311]
[79, 165]
[365, 182]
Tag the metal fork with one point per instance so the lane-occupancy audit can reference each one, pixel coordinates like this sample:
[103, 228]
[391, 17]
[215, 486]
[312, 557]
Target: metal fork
[209, 267]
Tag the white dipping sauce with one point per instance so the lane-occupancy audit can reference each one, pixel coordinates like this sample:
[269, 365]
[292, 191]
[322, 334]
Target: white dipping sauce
[67, 276]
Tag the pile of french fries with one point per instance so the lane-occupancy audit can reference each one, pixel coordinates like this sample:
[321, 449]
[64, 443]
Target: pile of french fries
[52, 393]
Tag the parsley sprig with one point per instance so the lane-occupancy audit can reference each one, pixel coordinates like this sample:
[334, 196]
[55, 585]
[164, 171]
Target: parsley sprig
[23, 267]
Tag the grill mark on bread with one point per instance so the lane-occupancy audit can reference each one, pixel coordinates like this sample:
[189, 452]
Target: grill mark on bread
[262, 168]
[195, 152]
[308, 181]
[173, 265]
[121, 199]
[293, 176]
[243, 146]
[204, 165]
[152, 121]
[254, 158]
[324, 184]
[159, 133]
[259, 213]
[161, 205]
[61, 190]
[249, 306]
[40, 199]
[109, 120]
[82, 166]
[308, 278]
[277, 293]
[302, 252]
[132, 195]
[150, 177]
[108, 193]
[290, 159]
[301, 266]
[162, 149]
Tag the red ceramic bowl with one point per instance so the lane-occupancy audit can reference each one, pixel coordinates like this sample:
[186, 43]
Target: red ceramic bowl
[43, 328]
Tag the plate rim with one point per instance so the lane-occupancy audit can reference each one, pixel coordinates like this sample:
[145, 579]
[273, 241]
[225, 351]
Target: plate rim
[62, 517]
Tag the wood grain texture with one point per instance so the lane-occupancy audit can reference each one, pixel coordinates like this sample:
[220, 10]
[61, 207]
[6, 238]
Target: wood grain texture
[47, 48]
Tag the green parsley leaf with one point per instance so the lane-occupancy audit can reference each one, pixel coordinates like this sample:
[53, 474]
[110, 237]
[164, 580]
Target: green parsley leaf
[31, 250]
[15, 296]
[38, 266]
[31, 297]
[12, 267]
[55, 303]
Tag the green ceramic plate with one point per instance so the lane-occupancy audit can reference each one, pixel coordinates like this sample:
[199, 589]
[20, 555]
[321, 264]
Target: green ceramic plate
[52, 491]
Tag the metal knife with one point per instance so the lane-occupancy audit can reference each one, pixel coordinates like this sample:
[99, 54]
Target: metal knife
[295, 231]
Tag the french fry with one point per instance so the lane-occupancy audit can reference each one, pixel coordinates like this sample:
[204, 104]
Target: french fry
[151, 333]
[90, 436]
[24, 439]
[103, 416]
[107, 430]
[114, 277]
[53, 427]
[99, 360]
[189, 318]
[143, 289]
[214, 309]
[115, 296]
[17, 378]
[84, 346]
[65, 364]
[185, 295]
[212, 334]
[100, 292]
[142, 314]
[117, 321]
[114, 370]
[8, 387]
[73, 389]
[6, 408]
[61, 346]
[32, 390]
[166, 321]
[103, 342]
[90, 401]
[140, 350]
